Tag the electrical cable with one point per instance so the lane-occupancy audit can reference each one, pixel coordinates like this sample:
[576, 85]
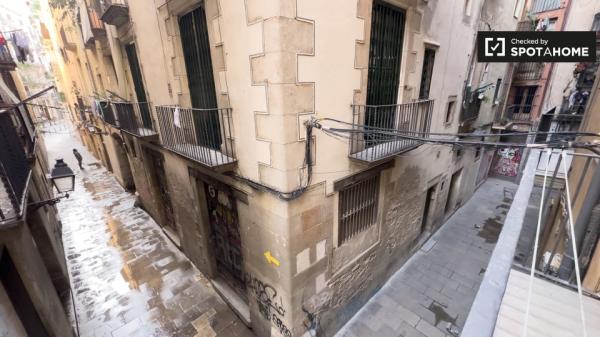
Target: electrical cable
[295, 194]
[529, 133]
[407, 135]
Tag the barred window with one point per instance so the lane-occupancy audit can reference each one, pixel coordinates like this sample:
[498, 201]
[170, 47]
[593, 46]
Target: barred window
[357, 207]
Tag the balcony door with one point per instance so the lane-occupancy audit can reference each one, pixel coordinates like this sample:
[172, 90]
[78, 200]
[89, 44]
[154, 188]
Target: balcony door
[385, 57]
[138, 85]
[196, 50]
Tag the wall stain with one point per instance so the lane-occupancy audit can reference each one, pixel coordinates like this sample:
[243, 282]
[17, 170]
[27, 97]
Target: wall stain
[491, 230]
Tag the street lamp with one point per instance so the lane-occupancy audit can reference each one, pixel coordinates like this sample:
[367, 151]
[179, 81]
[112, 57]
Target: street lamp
[63, 179]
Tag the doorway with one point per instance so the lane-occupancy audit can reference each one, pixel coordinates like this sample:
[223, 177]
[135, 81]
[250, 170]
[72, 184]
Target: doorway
[427, 210]
[123, 162]
[18, 296]
[225, 235]
[138, 85]
[453, 192]
[385, 59]
[157, 162]
[198, 63]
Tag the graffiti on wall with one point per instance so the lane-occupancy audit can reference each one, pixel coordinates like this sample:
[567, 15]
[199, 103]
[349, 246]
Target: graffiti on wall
[270, 304]
[507, 162]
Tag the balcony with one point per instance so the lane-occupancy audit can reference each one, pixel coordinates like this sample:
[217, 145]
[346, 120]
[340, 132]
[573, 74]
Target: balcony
[6, 60]
[203, 135]
[107, 113]
[470, 109]
[17, 146]
[382, 131]
[96, 24]
[67, 40]
[528, 283]
[545, 5]
[116, 12]
[134, 118]
[529, 71]
[518, 113]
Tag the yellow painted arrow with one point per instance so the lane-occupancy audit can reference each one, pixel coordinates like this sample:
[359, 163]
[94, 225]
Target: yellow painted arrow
[271, 259]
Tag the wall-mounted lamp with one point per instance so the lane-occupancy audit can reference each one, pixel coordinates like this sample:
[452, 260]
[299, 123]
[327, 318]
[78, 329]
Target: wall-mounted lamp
[63, 179]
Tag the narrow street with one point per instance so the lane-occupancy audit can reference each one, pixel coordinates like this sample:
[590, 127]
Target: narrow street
[431, 295]
[128, 279]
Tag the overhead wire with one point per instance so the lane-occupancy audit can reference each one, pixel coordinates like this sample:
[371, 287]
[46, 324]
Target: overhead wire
[457, 140]
[528, 133]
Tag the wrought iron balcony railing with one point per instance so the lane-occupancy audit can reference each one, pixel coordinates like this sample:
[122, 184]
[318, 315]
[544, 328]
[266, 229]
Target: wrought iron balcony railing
[470, 109]
[529, 71]
[107, 112]
[203, 135]
[134, 118]
[15, 169]
[385, 130]
[5, 58]
[518, 113]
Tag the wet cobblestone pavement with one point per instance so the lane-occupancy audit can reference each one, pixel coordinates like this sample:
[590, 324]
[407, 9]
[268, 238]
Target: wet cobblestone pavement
[128, 279]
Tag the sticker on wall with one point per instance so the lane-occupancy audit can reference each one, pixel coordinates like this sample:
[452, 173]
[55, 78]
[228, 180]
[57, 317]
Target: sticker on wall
[271, 259]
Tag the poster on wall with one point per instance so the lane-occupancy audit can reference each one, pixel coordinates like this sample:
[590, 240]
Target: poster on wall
[507, 162]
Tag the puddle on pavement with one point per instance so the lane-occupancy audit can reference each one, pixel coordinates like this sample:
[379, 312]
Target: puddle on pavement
[441, 315]
[491, 230]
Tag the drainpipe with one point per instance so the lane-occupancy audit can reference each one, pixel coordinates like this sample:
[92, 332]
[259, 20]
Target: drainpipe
[581, 224]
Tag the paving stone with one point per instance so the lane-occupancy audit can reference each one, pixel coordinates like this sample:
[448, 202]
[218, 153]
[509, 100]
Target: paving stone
[444, 277]
[429, 330]
[128, 278]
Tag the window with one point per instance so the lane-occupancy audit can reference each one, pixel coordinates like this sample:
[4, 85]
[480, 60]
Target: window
[450, 110]
[138, 84]
[385, 54]
[519, 4]
[357, 207]
[497, 91]
[523, 99]
[198, 63]
[426, 74]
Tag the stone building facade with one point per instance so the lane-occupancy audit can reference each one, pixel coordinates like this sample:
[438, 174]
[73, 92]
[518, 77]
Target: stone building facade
[205, 108]
[34, 280]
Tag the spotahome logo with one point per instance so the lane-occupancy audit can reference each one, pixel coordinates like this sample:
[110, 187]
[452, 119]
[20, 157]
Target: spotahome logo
[536, 46]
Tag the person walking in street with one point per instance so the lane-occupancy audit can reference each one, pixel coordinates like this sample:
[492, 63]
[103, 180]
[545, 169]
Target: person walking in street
[79, 158]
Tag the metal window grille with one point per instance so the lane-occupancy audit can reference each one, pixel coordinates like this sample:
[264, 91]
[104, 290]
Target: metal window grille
[134, 117]
[357, 207]
[385, 54]
[426, 74]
